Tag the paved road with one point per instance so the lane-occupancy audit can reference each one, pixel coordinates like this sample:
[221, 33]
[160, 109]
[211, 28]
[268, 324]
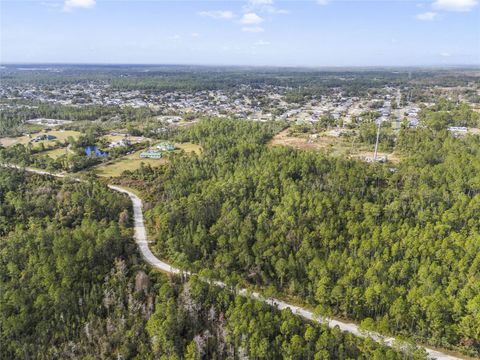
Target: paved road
[141, 236]
[150, 258]
[399, 114]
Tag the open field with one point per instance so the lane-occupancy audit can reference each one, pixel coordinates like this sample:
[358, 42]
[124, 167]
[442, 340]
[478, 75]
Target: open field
[10, 141]
[55, 153]
[190, 147]
[113, 137]
[60, 135]
[333, 145]
[132, 162]
[392, 157]
[133, 139]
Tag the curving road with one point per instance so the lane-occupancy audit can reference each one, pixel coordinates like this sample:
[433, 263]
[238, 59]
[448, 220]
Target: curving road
[141, 240]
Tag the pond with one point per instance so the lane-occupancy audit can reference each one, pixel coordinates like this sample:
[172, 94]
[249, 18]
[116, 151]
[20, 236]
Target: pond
[94, 151]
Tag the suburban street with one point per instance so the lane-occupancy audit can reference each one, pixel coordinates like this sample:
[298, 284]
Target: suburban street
[141, 240]
[398, 110]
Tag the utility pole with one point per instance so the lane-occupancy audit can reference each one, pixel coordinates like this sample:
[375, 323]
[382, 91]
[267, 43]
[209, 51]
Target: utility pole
[376, 142]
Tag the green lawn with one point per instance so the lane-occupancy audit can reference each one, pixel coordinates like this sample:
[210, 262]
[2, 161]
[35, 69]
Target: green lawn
[117, 167]
[190, 147]
[55, 153]
[60, 135]
[132, 162]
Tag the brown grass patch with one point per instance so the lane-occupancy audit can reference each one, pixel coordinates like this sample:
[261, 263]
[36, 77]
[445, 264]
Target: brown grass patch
[333, 145]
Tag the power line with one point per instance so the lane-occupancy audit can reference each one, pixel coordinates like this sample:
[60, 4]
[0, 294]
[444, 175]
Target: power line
[376, 142]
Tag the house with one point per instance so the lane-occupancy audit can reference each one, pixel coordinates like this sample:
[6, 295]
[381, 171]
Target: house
[166, 146]
[458, 129]
[380, 159]
[122, 142]
[43, 137]
[170, 119]
[151, 154]
[48, 122]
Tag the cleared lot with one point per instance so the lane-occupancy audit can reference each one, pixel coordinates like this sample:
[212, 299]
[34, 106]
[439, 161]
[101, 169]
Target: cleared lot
[55, 153]
[60, 135]
[333, 145]
[133, 161]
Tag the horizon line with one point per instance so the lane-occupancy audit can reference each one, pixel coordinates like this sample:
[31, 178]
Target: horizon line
[14, 63]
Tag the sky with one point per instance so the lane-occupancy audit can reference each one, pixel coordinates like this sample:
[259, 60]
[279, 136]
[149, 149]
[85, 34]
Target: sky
[250, 32]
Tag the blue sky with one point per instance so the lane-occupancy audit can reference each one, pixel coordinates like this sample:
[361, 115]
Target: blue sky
[255, 32]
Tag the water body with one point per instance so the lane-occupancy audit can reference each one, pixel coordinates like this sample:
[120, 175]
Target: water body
[94, 151]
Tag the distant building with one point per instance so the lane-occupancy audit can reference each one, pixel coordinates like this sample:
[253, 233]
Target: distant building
[458, 129]
[166, 146]
[151, 154]
[413, 122]
[122, 142]
[380, 159]
[43, 137]
[48, 122]
[170, 119]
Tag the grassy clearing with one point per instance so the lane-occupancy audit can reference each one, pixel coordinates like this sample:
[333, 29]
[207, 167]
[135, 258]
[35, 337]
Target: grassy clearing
[134, 139]
[133, 161]
[55, 153]
[114, 137]
[9, 141]
[190, 147]
[61, 135]
[130, 162]
[393, 157]
[333, 145]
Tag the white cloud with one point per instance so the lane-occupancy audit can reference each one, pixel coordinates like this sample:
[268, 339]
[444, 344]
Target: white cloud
[261, 43]
[251, 19]
[445, 54]
[253, 29]
[323, 2]
[69, 5]
[263, 6]
[195, 35]
[219, 14]
[260, 2]
[455, 5]
[273, 10]
[175, 37]
[427, 16]
[49, 4]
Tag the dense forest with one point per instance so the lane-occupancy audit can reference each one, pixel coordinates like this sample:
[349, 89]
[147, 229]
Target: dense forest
[73, 286]
[61, 246]
[197, 321]
[178, 77]
[448, 113]
[11, 120]
[396, 248]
